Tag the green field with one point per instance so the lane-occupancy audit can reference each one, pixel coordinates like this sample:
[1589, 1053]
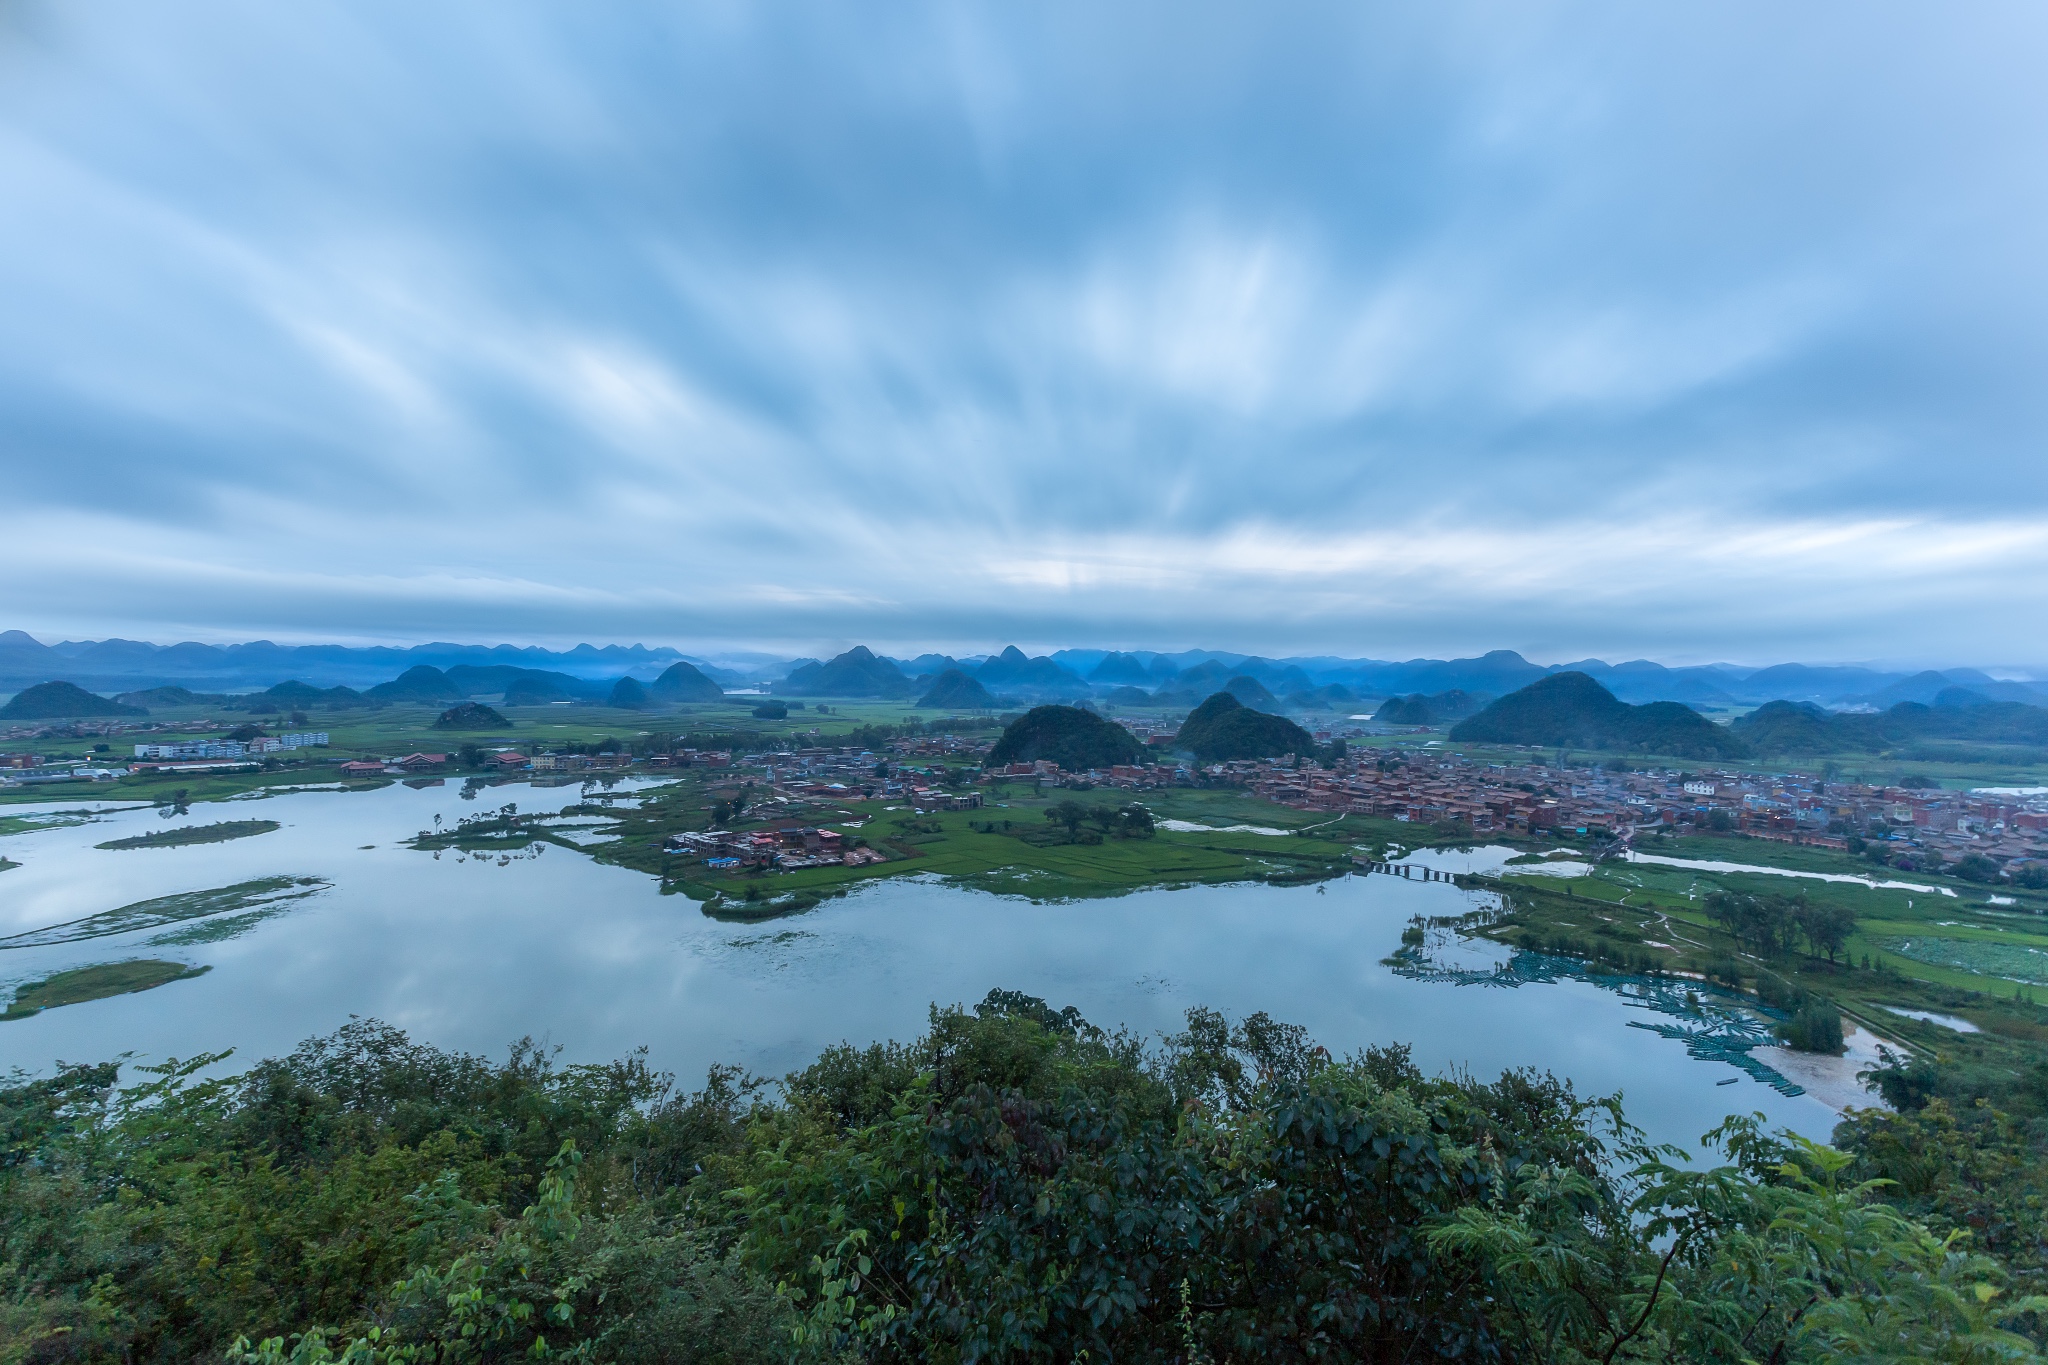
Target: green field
[1639, 905]
[399, 730]
[29, 824]
[1952, 954]
[1009, 846]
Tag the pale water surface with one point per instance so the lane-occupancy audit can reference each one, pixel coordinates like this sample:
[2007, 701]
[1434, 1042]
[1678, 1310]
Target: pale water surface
[466, 953]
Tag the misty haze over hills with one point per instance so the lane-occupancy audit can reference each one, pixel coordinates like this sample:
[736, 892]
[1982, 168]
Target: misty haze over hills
[112, 665]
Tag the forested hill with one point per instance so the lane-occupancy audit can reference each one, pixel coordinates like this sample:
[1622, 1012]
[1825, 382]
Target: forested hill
[46, 700]
[1075, 739]
[1571, 710]
[955, 690]
[1784, 727]
[1016, 1185]
[1417, 709]
[683, 682]
[1224, 728]
[859, 672]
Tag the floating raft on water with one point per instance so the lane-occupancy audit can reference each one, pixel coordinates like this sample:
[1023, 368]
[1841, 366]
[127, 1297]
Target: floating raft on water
[1732, 1048]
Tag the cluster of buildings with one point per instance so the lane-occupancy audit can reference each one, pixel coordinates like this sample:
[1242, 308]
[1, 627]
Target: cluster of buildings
[411, 765]
[233, 748]
[1533, 798]
[511, 760]
[852, 773]
[76, 729]
[785, 845]
[1414, 786]
[22, 769]
[1418, 786]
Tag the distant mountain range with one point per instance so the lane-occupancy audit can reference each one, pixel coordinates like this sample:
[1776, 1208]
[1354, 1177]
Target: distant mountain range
[1320, 682]
[126, 665]
[1570, 710]
[1324, 682]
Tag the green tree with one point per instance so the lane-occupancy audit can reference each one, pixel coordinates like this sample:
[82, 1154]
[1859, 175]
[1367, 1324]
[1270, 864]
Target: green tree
[1068, 813]
[1826, 925]
[1975, 867]
[1014, 1185]
[1134, 821]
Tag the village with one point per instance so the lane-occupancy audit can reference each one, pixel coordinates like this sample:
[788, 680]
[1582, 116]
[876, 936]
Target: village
[1415, 781]
[1437, 788]
[1445, 794]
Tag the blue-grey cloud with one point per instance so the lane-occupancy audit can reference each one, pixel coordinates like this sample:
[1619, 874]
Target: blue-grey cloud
[1708, 331]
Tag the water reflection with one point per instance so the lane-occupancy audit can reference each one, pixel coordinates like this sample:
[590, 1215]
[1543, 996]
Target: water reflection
[469, 953]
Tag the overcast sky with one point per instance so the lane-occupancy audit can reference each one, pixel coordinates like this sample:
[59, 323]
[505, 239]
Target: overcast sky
[1693, 330]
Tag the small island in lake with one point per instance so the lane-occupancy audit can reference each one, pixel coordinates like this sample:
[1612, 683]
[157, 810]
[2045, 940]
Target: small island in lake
[195, 834]
[97, 982]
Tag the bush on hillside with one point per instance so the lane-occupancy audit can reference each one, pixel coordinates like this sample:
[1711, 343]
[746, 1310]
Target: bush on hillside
[471, 715]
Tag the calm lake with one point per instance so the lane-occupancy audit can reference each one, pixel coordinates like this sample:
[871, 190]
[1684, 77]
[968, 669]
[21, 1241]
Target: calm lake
[470, 953]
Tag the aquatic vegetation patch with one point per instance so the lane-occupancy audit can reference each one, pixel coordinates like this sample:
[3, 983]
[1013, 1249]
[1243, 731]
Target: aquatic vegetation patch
[195, 834]
[782, 939]
[100, 981]
[510, 830]
[1714, 1025]
[272, 894]
[218, 929]
[754, 911]
[30, 824]
[2013, 961]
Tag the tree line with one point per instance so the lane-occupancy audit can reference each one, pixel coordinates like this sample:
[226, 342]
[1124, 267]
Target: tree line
[1016, 1184]
[1775, 925]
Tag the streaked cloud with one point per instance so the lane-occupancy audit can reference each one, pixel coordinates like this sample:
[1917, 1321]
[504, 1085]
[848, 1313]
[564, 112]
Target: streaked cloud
[1363, 329]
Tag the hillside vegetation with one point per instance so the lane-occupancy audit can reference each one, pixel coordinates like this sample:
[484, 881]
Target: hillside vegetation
[1253, 693]
[681, 682]
[1067, 735]
[160, 696]
[1784, 727]
[422, 682]
[1223, 728]
[1418, 709]
[859, 672]
[1015, 1185]
[1570, 710]
[62, 701]
[954, 690]
[1014, 671]
[471, 715]
[297, 694]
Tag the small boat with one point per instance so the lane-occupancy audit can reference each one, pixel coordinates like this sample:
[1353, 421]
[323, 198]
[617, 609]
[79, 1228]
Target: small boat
[1730, 1081]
